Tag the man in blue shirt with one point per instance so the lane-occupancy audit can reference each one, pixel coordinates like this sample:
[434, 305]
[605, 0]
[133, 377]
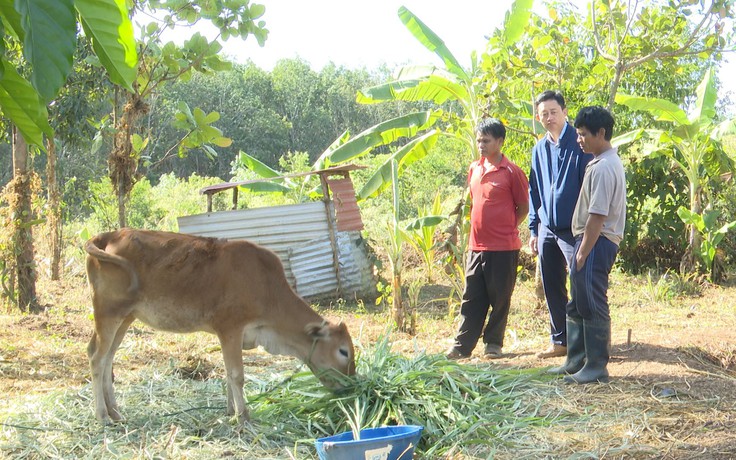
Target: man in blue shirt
[557, 171]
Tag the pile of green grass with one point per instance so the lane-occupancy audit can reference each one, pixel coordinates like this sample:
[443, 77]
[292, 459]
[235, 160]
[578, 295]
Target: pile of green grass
[462, 407]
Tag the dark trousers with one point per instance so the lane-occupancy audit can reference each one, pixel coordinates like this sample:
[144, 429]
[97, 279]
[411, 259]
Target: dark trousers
[490, 277]
[589, 285]
[555, 257]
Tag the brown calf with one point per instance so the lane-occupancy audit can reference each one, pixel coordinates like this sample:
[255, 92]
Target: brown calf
[183, 283]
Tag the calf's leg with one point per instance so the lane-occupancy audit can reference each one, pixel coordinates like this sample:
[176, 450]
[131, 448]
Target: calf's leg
[232, 354]
[100, 363]
[110, 401]
[108, 334]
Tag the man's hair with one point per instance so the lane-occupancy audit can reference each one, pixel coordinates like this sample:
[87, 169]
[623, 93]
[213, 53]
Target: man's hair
[550, 96]
[493, 127]
[594, 118]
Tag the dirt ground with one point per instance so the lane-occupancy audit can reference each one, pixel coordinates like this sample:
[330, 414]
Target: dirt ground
[673, 365]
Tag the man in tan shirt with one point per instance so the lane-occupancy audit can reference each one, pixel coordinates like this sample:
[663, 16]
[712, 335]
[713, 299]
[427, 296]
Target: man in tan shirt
[598, 227]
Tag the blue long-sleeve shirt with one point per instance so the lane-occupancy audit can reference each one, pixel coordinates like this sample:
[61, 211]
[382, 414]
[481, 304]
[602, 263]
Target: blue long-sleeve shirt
[555, 179]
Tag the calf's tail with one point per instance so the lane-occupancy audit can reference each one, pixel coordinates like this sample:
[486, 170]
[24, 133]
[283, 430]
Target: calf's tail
[95, 247]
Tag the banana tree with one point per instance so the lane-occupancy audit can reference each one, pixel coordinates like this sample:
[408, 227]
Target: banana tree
[387, 176]
[707, 225]
[397, 236]
[437, 85]
[421, 232]
[692, 143]
[452, 82]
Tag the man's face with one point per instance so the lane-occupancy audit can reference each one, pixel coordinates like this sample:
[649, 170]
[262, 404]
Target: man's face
[487, 144]
[589, 142]
[551, 115]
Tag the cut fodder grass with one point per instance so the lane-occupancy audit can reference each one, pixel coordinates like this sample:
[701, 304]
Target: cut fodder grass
[463, 408]
[468, 411]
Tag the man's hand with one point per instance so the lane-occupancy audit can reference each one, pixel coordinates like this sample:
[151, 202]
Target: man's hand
[533, 245]
[580, 261]
[591, 233]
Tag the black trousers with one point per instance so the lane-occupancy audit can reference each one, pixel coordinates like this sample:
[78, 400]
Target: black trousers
[490, 277]
[555, 256]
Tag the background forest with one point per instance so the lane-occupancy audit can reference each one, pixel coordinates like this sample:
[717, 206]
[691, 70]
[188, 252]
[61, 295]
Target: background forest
[192, 119]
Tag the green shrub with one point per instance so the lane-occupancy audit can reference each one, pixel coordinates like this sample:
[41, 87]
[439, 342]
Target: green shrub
[174, 197]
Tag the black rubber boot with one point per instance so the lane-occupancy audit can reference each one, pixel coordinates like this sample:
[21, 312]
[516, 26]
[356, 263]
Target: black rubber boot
[597, 353]
[575, 348]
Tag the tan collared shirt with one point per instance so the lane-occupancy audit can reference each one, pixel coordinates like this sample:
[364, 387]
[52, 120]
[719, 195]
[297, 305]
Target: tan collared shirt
[604, 193]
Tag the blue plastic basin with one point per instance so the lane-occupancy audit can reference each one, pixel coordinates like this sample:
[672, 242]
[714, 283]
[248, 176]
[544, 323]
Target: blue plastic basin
[383, 443]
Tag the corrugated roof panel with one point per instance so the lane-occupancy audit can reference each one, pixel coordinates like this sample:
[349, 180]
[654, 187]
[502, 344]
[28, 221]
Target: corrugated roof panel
[271, 227]
[322, 275]
[257, 226]
[313, 268]
[317, 291]
[291, 234]
[260, 217]
[312, 265]
[350, 222]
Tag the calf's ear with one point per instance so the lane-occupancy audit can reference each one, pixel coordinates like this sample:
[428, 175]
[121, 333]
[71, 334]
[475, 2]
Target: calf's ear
[317, 330]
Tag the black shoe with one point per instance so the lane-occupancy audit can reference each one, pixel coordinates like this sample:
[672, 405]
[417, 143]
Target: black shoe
[492, 351]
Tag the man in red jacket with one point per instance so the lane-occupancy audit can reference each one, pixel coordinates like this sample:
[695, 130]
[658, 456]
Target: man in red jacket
[500, 202]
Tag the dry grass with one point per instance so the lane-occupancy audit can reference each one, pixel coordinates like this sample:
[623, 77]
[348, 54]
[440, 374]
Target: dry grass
[672, 395]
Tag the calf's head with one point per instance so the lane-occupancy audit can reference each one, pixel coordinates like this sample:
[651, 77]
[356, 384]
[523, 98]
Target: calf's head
[332, 351]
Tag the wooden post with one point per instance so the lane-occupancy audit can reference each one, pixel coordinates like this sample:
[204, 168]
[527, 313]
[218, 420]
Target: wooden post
[332, 230]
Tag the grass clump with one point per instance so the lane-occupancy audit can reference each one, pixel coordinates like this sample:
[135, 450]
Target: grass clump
[464, 408]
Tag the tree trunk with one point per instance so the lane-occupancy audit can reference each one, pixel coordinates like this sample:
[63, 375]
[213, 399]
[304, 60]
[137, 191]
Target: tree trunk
[619, 71]
[398, 303]
[123, 163]
[122, 222]
[690, 262]
[53, 217]
[22, 223]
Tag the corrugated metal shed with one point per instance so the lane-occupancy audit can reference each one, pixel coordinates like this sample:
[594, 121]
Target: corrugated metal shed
[311, 265]
[346, 204]
[323, 252]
